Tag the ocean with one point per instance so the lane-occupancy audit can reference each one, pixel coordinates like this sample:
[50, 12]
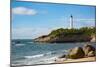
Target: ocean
[28, 52]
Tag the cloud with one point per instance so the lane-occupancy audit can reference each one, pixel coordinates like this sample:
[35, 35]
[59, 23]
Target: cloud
[23, 11]
[85, 20]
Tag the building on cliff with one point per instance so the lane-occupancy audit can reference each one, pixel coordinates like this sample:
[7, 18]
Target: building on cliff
[71, 22]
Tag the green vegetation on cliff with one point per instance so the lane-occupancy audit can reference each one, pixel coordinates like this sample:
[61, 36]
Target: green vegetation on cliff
[61, 35]
[86, 31]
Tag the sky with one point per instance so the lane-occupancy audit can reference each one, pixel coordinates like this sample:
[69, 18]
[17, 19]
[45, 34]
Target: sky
[31, 20]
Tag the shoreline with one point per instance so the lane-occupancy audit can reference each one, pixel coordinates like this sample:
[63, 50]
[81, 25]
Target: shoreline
[64, 61]
[87, 59]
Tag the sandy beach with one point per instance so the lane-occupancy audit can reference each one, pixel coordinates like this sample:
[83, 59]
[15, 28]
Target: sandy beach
[88, 59]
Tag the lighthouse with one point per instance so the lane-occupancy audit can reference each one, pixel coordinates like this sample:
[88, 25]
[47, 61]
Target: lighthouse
[71, 22]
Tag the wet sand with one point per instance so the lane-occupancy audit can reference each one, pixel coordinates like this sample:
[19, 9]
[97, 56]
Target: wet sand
[88, 59]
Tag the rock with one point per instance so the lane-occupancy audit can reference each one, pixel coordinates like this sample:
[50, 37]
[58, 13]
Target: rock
[91, 54]
[63, 56]
[76, 53]
[93, 38]
[87, 48]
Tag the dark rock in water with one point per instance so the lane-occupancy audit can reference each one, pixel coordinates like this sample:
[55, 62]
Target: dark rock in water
[17, 42]
[91, 54]
[76, 53]
[87, 48]
[63, 56]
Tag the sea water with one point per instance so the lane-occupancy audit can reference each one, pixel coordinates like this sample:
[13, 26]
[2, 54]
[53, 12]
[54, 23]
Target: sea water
[28, 52]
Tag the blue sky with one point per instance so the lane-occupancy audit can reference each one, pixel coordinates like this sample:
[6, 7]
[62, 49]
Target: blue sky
[31, 20]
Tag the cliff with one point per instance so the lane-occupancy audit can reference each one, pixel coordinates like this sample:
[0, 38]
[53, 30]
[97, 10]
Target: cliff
[68, 35]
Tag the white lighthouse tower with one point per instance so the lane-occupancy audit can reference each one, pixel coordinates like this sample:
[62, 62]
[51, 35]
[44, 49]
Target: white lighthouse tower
[71, 22]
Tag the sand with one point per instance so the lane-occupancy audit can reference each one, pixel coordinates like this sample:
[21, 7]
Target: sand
[89, 59]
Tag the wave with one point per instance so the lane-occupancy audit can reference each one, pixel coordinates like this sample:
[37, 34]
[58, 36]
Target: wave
[39, 55]
[34, 56]
[49, 53]
[44, 54]
[19, 44]
[30, 42]
[45, 58]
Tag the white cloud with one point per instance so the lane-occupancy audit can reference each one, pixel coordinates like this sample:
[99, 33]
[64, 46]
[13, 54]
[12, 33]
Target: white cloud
[23, 11]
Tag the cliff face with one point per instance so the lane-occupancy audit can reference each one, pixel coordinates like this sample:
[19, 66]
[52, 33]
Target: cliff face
[68, 35]
[43, 39]
[75, 38]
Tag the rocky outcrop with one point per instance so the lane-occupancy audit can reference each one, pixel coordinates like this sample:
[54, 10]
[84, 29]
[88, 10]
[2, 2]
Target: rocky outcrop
[61, 35]
[63, 39]
[42, 39]
[76, 52]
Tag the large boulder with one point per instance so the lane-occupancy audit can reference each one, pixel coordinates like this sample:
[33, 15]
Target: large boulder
[76, 53]
[88, 48]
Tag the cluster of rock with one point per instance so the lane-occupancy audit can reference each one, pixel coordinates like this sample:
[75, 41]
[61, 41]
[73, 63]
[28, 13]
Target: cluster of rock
[81, 52]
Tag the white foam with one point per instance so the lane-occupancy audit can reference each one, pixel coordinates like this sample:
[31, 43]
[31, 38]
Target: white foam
[44, 58]
[39, 55]
[19, 44]
[35, 56]
[30, 42]
[49, 53]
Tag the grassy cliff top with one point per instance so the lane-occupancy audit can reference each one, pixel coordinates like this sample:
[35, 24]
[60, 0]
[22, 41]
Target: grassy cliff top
[81, 31]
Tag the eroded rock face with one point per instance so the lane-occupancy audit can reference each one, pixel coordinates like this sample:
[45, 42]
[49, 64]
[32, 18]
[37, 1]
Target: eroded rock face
[87, 49]
[76, 53]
